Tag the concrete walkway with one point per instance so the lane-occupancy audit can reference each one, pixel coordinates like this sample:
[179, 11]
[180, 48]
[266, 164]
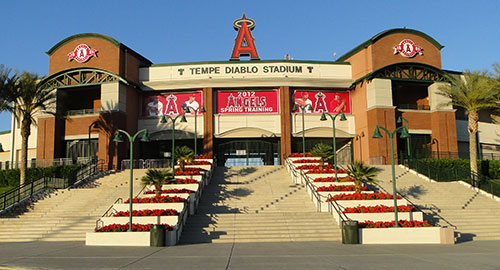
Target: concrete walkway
[285, 255]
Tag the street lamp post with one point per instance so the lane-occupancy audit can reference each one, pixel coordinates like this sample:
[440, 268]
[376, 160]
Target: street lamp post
[196, 111]
[93, 125]
[404, 134]
[400, 120]
[173, 119]
[333, 117]
[303, 110]
[119, 138]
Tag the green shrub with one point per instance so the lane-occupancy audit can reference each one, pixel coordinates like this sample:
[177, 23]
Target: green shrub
[490, 168]
[10, 177]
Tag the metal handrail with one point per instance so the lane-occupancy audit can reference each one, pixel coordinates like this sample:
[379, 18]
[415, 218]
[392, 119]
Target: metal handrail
[475, 179]
[28, 190]
[338, 208]
[331, 204]
[313, 192]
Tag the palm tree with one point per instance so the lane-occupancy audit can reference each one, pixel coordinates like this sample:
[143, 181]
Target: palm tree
[473, 91]
[323, 151]
[24, 97]
[184, 155]
[158, 178]
[362, 174]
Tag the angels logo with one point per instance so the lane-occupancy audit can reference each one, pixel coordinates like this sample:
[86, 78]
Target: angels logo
[320, 105]
[82, 53]
[171, 105]
[407, 48]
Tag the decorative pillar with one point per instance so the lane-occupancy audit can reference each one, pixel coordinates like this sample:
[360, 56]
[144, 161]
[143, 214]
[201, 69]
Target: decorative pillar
[285, 119]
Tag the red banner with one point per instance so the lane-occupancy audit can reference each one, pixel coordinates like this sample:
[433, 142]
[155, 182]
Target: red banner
[172, 104]
[248, 101]
[320, 101]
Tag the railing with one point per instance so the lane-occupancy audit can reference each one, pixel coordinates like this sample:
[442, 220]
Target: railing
[414, 107]
[28, 190]
[82, 112]
[454, 174]
[157, 163]
[146, 164]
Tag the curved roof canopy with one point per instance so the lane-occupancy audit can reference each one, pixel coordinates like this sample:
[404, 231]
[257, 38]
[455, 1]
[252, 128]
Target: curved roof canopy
[407, 71]
[74, 77]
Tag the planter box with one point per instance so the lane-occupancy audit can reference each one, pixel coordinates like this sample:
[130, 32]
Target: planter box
[295, 165]
[322, 205]
[211, 160]
[326, 184]
[320, 175]
[193, 202]
[198, 178]
[354, 203]
[194, 187]
[127, 238]
[150, 206]
[170, 220]
[419, 216]
[292, 159]
[206, 167]
[418, 235]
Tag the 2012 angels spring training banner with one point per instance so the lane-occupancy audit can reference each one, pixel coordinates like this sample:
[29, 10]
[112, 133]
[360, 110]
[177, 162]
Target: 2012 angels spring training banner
[247, 101]
[172, 103]
[320, 101]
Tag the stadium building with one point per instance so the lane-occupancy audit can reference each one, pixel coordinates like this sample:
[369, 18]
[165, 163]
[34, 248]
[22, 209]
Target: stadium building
[246, 112]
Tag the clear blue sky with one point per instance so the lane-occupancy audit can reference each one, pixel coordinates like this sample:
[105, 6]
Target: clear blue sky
[183, 31]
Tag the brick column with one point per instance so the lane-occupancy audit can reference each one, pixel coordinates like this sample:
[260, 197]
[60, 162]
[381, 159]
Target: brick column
[208, 121]
[286, 133]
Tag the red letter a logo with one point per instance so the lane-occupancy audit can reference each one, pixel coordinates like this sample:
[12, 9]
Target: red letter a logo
[243, 44]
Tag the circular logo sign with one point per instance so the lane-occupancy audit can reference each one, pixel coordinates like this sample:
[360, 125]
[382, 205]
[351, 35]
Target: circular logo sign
[407, 48]
[82, 53]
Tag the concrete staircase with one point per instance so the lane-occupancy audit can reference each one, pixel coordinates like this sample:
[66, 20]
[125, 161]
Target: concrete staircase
[257, 204]
[66, 215]
[475, 216]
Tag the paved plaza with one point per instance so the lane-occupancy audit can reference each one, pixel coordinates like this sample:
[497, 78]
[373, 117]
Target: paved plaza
[299, 255]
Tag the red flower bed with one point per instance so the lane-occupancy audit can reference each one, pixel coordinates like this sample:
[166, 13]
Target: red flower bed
[189, 171]
[199, 162]
[158, 199]
[377, 209]
[313, 167]
[124, 228]
[299, 155]
[332, 179]
[363, 196]
[390, 224]
[174, 190]
[147, 213]
[326, 170]
[306, 161]
[185, 181]
[204, 157]
[339, 188]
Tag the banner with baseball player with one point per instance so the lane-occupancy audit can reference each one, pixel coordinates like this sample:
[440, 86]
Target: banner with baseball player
[172, 103]
[316, 101]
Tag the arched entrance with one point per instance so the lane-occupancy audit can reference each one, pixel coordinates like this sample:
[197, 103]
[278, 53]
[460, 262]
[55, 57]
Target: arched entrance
[248, 152]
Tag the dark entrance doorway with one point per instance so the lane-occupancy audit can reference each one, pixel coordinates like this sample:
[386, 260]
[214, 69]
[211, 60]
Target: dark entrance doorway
[248, 152]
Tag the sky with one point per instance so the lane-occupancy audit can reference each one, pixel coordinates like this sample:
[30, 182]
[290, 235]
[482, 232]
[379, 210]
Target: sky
[189, 31]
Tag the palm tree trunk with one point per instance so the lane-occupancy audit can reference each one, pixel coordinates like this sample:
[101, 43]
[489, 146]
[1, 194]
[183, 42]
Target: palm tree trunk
[25, 133]
[321, 164]
[158, 189]
[472, 127]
